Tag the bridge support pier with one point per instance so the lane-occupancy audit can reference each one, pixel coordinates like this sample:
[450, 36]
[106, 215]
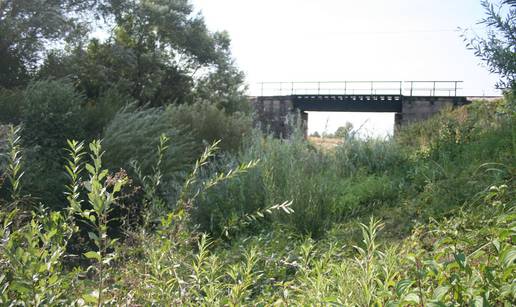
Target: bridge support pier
[416, 109]
[277, 115]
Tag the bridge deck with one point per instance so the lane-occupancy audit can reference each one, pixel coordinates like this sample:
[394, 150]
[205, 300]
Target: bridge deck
[348, 103]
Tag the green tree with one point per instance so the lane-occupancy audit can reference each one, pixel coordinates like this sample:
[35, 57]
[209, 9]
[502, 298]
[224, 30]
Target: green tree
[159, 52]
[498, 48]
[224, 85]
[28, 28]
[315, 134]
[344, 131]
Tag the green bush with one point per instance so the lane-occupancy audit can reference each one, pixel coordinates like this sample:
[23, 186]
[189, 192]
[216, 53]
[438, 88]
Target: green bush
[208, 123]
[51, 114]
[216, 208]
[99, 113]
[11, 105]
[133, 135]
[289, 170]
[369, 155]
[360, 194]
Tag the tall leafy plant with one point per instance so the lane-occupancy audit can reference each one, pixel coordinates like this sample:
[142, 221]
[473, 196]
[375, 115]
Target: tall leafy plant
[101, 191]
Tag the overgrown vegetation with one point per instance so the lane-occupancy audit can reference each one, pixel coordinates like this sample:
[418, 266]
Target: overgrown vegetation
[294, 227]
[117, 188]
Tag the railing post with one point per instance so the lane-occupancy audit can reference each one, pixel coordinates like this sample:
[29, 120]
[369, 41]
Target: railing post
[292, 88]
[411, 87]
[434, 89]
[372, 87]
[401, 88]
[280, 88]
[318, 88]
[345, 87]
[455, 88]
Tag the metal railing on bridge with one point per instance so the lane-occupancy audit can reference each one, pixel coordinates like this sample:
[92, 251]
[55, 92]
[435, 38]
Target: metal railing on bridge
[407, 88]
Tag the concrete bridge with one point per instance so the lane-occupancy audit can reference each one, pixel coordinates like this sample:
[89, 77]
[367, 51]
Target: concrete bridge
[279, 103]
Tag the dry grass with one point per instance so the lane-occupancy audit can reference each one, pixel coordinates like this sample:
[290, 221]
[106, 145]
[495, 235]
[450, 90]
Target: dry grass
[325, 143]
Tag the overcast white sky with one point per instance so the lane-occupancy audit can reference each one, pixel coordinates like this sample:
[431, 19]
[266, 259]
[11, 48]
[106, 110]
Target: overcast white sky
[336, 40]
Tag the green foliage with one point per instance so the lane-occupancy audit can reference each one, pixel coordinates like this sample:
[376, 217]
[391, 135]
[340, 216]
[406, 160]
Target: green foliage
[29, 27]
[209, 124]
[102, 191]
[224, 87]
[364, 193]
[189, 191]
[293, 228]
[100, 112]
[134, 135]
[370, 156]
[435, 166]
[290, 170]
[153, 204]
[33, 256]
[10, 104]
[315, 134]
[51, 114]
[344, 131]
[158, 53]
[32, 247]
[497, 48]
[14, 168]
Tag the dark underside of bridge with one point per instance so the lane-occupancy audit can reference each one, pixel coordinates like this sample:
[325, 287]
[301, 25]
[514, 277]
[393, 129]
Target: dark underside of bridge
[362, 103]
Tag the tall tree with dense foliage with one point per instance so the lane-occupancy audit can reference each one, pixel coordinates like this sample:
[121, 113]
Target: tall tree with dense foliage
[28, 28]
[158, 52]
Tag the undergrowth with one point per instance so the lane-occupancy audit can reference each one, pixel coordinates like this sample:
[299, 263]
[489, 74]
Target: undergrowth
[424, 219]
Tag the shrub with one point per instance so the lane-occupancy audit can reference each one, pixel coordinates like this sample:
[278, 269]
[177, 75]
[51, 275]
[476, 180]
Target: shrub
[289, 170]
[208, 123]
[99, 113]
[11, 104]
[133, 135]
[360, 193]
[51, 114]
[223, 204]
[189, 127]
[370, 156]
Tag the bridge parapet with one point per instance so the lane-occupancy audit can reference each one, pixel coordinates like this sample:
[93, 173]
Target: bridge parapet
[406, 88]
